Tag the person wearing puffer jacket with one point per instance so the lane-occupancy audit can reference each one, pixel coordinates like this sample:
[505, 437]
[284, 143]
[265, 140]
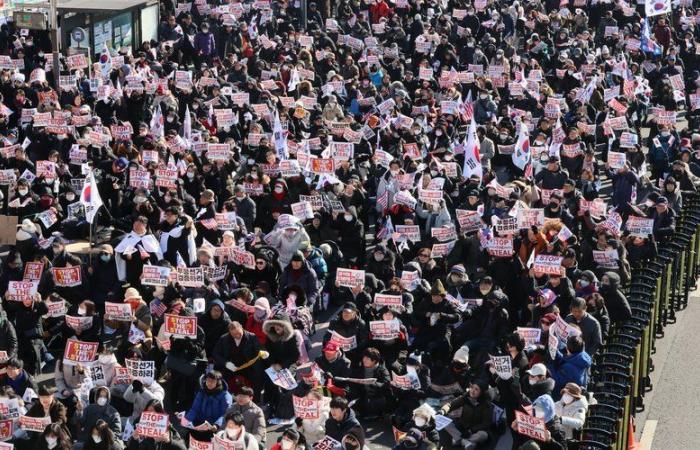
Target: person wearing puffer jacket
[571, 409]
[210, 404]
[140, 395]
[300, 273]
[99, 409]
[543, 408]
[570, 368]
[287, 241]
[28, 236]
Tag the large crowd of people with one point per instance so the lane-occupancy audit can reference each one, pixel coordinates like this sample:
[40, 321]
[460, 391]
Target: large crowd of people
[470, 185]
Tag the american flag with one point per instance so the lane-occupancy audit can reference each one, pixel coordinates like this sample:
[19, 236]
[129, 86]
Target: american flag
[157, 308]
[383, 201]
[466, 108]
[387, 229]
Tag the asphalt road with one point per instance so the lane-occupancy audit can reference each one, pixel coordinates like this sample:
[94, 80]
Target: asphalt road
[673, 401]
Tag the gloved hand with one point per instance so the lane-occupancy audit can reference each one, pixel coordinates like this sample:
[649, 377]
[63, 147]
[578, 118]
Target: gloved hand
[445, 409]
[231, 366]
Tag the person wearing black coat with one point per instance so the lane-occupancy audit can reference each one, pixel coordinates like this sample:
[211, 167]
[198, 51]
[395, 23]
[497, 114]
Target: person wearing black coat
[103, 283]
[342, 420]
[284, 345]
[348, 324]
[334, 364]
[407, 400]
[26, 317]
[175, 236]
[432, 317]
[215, 323]
[615, 301]
[372, 395]
[172, 442]
[17, 378]
[236, 349]
[8, 336]
[182, 361]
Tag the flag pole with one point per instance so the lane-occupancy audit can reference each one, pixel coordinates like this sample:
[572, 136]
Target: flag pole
[90, 243]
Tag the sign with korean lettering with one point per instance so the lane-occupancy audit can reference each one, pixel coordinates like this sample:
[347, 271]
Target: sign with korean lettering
[640, 226]
[350, 278]
[503, 366]
[387, 300]
[155, 276]
[79, 352]
[181, 326]
[346, 343]
[384, 330]
[606, 258]
[530, 335]
[469, 221]
[118, 311]
[144, 371]
[530, 217]
[190, 276]
[36, 424]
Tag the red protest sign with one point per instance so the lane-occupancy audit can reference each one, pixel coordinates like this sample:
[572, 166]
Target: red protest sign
[547, 265]
[306, 408]
[79, 352]
[33, 271]
[67, 276]
[180, 326]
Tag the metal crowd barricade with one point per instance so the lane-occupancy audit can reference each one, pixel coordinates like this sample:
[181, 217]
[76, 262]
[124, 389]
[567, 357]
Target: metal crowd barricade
[621, 371]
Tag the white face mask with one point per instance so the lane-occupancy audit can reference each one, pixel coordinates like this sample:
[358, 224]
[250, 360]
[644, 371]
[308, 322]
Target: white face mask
[279, 189]
[419, 421]
[232, 433]
[97, 438]
[190, 175]
[51, 441]
[22, 191]
[348, 217]
[286, 444]
[81, 311]
[70, 197]
[539, 413]
[102, 401]
[567, 398]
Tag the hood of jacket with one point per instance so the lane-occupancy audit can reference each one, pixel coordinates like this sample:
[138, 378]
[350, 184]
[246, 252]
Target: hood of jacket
[283, 321]
[582, 360]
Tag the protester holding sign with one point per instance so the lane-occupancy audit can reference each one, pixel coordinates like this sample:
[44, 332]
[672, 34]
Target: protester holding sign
[99, 411]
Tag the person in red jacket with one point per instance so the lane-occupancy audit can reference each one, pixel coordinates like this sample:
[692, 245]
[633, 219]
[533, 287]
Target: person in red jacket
[663, 34]
[378, 10]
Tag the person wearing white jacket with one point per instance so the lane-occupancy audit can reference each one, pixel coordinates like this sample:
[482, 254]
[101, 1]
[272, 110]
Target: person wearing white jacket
[314, 430]
[139, 394]
[234, 431]
[572, 408]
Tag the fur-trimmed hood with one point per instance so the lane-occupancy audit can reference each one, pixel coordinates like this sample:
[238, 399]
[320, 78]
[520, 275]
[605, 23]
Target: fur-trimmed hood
[282, 320]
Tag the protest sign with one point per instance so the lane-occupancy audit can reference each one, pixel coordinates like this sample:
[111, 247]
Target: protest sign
[282, 378]
[503, 366]
[384, 330]
[530, 217]
[306, 407]
[530, 335]
[155, 276]
[56, 309]
[606, 258]
[640, 226]
[118, 311]
[79, 352]
[190, 276]
[181, 326]
[36, 424]
[19, 291]
[9, 408]
[144, 371]
[441, 422]
[153, 425]
[408, 381]
[530, 426]
[327, 443]
[547, 265]
[410, 232]
[616, 160]
[350, 278]
[469, 221]
[500, 247]
[410, 280]
[79, 323]
[67, 276]
[345, 343]
[387, 300]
